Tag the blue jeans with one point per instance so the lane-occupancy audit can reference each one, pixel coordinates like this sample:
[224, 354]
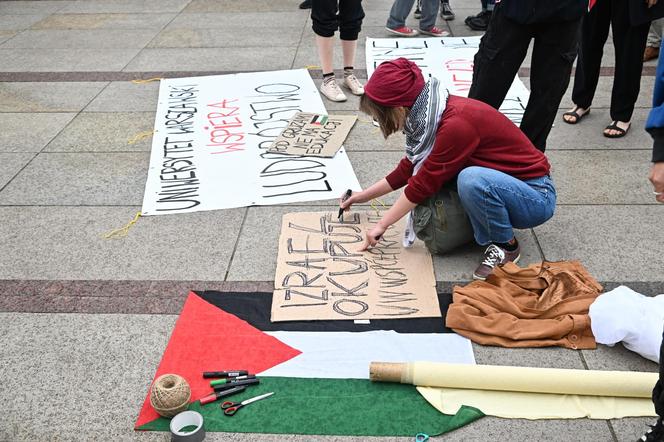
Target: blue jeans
[497, 203]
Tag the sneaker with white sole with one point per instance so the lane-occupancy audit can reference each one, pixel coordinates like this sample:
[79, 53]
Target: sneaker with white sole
[353, 84]
[403, 31]
[332, 91]
[435, 32]
[446, 12]
[493, 256]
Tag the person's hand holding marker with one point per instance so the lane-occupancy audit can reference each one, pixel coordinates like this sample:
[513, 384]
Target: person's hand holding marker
[372, 237]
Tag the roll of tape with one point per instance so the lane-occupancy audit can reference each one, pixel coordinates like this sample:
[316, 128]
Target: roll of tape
[187, 419]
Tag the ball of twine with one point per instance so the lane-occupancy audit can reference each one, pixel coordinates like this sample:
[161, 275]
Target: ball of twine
[170, 395]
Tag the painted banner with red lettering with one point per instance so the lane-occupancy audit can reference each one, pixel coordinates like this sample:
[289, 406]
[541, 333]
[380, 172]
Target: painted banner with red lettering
[450, 59]
[211, 146]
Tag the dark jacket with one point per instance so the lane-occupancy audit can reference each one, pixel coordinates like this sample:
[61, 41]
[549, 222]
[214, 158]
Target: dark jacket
[655, 123]
[543, 11]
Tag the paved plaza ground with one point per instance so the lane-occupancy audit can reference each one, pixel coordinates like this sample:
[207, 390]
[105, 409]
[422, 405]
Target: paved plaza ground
[84, 320]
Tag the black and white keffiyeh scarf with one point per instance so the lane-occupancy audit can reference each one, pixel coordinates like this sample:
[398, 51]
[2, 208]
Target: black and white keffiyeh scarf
[420, 129]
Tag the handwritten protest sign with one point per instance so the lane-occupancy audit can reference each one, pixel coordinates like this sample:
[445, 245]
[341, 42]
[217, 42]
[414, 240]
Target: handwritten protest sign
[314, 134]
[450, 59]
[211, 148]
[322, 275]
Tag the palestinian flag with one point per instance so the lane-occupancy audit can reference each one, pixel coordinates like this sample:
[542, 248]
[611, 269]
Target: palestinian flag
[317, 369]
[319, 120]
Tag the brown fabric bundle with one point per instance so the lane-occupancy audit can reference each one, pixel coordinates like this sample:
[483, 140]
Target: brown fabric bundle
[538, 306]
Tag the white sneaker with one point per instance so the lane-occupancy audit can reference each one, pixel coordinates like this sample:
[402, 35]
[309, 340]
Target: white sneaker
[332, 91]
[353, 84]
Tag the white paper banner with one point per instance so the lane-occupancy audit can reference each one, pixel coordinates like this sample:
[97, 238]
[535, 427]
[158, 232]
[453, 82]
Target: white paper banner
[450, 59]
[209, 150]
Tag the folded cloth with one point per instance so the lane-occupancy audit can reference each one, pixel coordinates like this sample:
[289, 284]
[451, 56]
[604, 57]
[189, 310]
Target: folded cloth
[538, 306]
[623, 315]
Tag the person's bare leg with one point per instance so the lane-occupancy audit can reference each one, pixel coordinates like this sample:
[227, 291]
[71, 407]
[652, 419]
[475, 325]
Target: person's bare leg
[350, 80]
[329, 88]
[325, 47]
[349, 47]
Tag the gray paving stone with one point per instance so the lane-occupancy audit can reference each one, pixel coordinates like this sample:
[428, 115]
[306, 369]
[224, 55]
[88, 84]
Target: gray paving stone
[80, 179]
[75, 356]
[65, 60]
[458, 265]
[24, 132]
[589, 133]
[218, 20]
[615, 243]
[19, 22]
[105, 21]
[546, 357]
[105, 132]
[6, 35]
[631, 429]
[125, 6]
[373, 166]
[81, 39]
[602, 98]
[11, 163]
[230, 6]
[238, 36]
[207, 59]
[589, 176]
[366, 137]
[125, 96]
[47, 96]
[32, 7]
[492, 428]
[71, 244]
[617, 358]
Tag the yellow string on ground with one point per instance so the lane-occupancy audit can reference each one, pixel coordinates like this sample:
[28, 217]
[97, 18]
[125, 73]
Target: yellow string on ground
[148, 80]
[376, 208]
[138, 137]
[311, 66]
[122, 231]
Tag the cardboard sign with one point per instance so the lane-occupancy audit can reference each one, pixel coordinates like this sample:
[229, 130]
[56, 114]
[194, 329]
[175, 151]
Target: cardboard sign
[211, 147]
[315, 135]
[321, 274]
[450, 60]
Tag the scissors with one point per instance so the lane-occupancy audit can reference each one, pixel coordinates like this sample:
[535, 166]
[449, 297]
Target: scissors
[230, 408]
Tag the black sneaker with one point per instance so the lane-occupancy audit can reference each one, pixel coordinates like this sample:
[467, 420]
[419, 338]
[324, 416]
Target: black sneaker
[418, 11]
[306, 4]
[446, 12]
[655, 434]
[480, 22]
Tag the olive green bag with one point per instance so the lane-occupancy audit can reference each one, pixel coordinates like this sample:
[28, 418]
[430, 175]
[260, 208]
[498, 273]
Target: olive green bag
[441, 222]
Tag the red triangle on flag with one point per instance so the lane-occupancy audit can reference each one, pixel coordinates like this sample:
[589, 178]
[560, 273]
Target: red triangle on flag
[206, 338]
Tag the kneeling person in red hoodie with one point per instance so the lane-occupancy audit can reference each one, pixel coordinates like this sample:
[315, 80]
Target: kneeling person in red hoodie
[502, 180]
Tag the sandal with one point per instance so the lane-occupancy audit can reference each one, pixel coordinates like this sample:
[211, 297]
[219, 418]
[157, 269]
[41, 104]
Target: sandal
[614, 126]
[577, 116]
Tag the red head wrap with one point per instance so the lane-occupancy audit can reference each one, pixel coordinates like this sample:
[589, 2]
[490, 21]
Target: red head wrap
[395, 83]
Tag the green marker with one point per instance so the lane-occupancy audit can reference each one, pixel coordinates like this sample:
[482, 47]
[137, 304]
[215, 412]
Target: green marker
[230, 380]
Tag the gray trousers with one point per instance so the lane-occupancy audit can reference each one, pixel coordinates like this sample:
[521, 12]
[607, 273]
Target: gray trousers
[401, 9]
[655, 33]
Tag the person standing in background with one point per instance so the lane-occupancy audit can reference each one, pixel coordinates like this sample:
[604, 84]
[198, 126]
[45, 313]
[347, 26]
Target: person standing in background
[654, 40]
[396, 23]
[554, 27]
[630, 43]
[480, 22]
[327, 17]
[446, 12]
